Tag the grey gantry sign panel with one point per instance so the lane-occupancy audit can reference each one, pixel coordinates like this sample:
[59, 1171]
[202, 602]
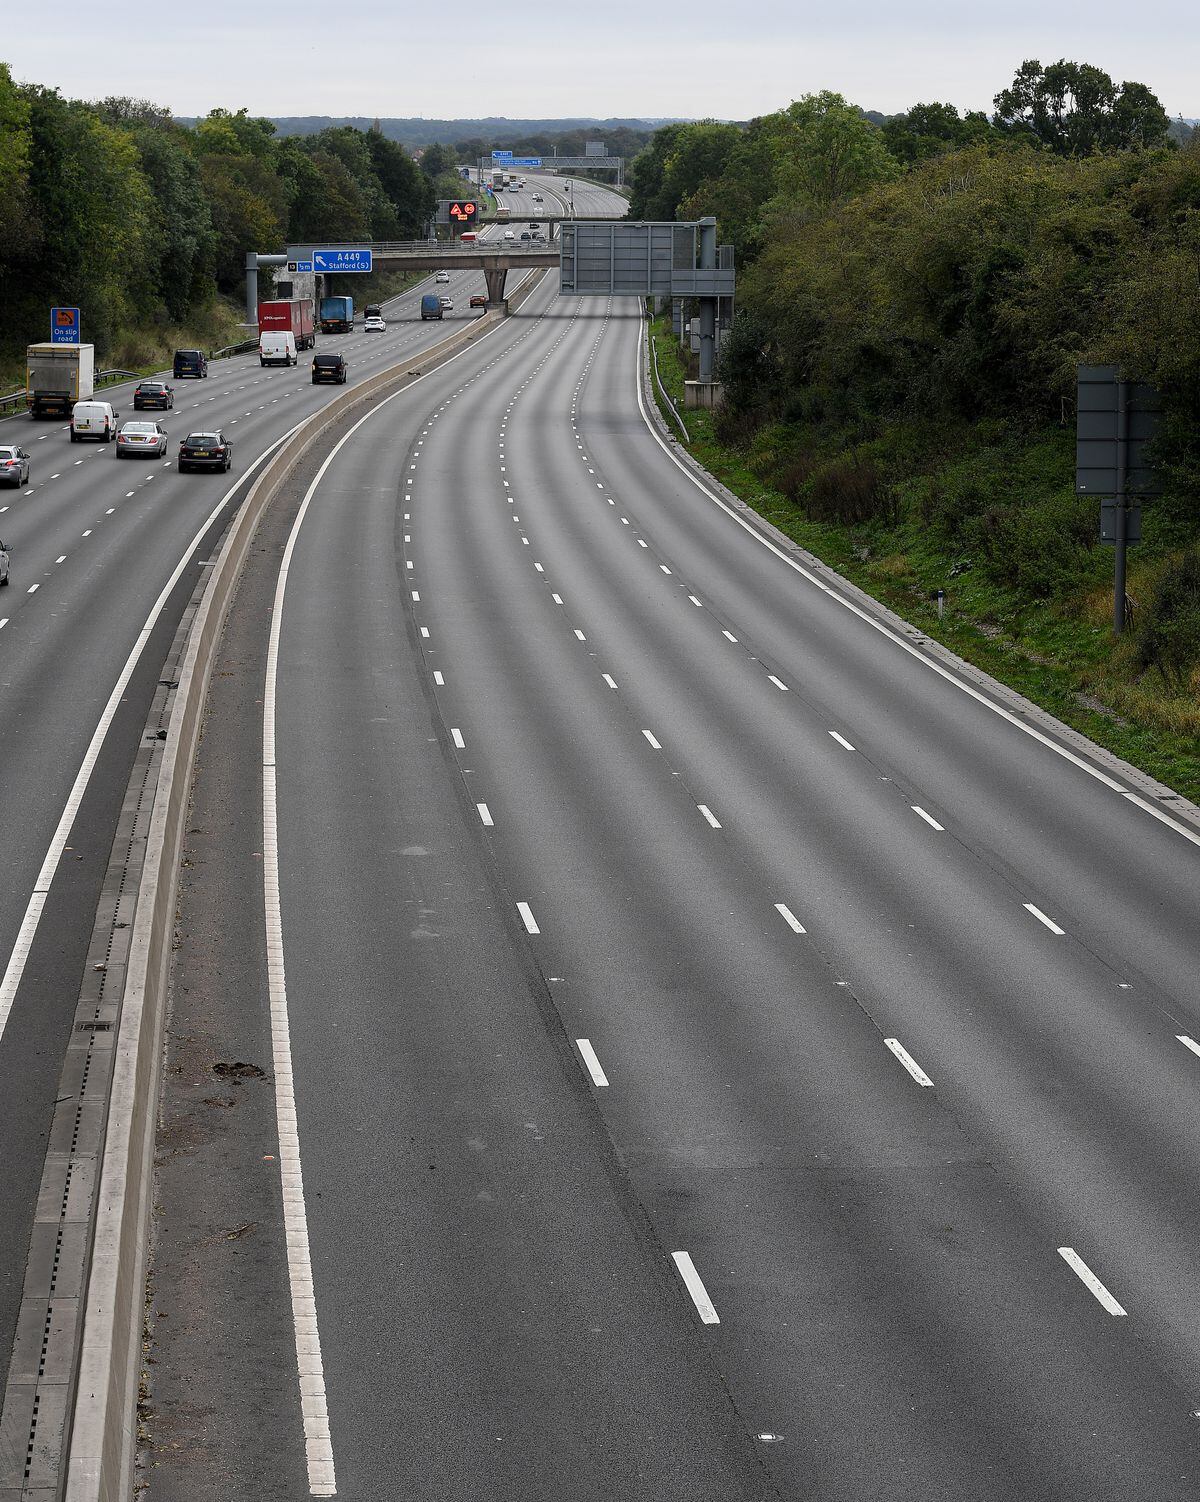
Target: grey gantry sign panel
[1097, 432]
[550, 163]
[618, 259]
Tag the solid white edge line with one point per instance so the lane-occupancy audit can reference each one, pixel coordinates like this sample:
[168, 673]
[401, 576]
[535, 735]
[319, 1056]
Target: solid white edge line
[708, 814]
[1041, 917]
[588, 1053]
[1157, 813]
[1089, 1279]
[694, 1286]
[789, 917]
[527, 918]
[929, 819]
[885, 630]
[17, 959]
[908, 1061]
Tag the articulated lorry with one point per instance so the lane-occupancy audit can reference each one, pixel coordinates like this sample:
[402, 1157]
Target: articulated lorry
[57, 376]
[337, 315]
[291, 316]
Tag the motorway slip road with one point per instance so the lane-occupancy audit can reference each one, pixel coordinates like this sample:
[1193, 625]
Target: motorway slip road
[720, 1067]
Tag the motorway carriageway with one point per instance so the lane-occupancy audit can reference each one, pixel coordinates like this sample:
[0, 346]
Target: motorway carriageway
[721, 1066]
[99, 545]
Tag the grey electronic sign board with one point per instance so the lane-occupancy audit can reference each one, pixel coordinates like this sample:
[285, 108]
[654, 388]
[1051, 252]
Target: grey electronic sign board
[617, 259]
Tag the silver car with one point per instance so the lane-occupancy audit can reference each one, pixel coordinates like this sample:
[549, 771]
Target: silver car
[14, 465]
[3, 563]
[136, 439]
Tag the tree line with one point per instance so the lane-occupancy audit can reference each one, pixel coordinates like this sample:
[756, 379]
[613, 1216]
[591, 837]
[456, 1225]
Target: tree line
[117, 208]
[914, 296]
[947, 265]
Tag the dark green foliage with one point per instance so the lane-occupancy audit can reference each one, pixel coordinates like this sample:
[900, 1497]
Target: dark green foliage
[140, 220]
[1168, 636]
[849, 490]
[1074, 109]
[931, 129]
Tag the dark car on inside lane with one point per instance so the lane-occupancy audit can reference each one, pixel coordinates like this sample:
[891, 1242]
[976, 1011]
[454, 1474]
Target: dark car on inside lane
[189, 362]
[329, 368]
[14, 465]
[148, 394]
[206, 450]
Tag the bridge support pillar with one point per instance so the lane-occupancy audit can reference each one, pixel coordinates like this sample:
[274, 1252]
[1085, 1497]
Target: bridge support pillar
[494, 276]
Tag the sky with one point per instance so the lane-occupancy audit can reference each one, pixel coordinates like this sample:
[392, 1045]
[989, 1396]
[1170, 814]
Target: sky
[534, 59]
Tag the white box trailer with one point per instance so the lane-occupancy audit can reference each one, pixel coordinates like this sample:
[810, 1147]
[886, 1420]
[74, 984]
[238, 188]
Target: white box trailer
[57, 376]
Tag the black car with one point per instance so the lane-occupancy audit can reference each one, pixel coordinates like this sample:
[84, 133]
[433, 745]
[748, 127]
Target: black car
[152, 394]
[190, 362]
[329, 368]
[210, 450]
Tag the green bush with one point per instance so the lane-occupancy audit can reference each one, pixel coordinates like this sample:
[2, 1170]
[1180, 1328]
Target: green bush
[850, 490]
[1168, 638]
[1044, 550]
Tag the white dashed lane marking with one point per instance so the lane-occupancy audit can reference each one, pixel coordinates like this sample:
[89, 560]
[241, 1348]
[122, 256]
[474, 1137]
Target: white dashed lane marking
[1089, 1279]
[588, 1054]
[908, 1061]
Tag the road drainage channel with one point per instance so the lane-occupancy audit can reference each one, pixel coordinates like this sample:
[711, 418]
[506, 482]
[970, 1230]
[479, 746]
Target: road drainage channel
[39, 1396]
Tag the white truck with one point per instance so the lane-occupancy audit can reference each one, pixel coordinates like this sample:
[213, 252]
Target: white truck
[57, 376]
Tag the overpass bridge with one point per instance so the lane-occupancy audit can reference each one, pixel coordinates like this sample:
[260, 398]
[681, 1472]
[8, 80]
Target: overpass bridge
[495, 258]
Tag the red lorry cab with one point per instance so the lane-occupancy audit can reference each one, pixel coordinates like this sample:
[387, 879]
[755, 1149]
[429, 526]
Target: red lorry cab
[293, 316]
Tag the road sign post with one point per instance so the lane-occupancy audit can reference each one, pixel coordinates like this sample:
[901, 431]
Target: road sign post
[1116, 421]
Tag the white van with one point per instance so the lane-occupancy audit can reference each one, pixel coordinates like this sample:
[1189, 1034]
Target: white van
[93, 420]
[277, 347]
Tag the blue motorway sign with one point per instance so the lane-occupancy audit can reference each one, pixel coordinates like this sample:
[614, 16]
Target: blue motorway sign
[341, 260]
[501, 156]
[64, 325]
[527, 161]
[300, 266]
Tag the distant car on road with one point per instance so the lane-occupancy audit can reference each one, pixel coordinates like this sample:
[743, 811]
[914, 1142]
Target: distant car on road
[189, 362]
[525, 235]
[329, 368]
[537, 198]
[447, 303]
[3, 563]
[442, 276]
[509, 235]
[478, 300]
[14, 465]
[374, 326]
[152, 394]
[207, 450]
[138, 438]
